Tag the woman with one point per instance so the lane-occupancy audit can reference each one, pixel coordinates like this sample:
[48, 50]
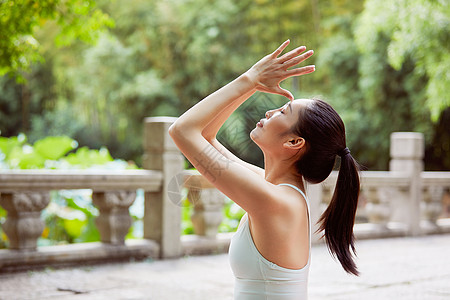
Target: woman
[270, 253]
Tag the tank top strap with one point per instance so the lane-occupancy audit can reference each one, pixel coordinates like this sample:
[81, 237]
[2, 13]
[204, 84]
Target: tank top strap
[295, 188]
[307, 204]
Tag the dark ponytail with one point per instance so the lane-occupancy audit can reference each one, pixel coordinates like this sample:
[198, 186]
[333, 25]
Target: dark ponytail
[324, 133]
[338, 219]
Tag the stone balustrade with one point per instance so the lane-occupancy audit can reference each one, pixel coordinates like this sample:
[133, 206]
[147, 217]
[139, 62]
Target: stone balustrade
[25, 193]
[400, 202]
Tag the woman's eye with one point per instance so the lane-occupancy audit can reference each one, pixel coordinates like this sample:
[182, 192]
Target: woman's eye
[282, 111]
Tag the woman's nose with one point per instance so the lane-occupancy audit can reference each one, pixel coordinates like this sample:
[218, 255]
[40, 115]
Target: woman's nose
[269, 113]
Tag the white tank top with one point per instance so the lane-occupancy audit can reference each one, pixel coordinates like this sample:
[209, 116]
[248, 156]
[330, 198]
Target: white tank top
[257, 278]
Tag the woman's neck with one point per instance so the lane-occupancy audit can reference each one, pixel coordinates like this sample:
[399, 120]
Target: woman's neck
[282, 171]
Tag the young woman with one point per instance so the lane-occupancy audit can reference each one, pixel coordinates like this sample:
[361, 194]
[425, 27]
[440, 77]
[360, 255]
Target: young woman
[270, 252]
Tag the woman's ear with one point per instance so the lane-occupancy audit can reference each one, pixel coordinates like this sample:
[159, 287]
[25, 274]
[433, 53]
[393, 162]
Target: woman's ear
[295, 143]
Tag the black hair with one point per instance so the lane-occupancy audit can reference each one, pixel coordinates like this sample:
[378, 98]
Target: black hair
[324, 132]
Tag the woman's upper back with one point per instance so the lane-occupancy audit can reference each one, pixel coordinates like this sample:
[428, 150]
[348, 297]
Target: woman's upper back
[283, 236]
[257, 276]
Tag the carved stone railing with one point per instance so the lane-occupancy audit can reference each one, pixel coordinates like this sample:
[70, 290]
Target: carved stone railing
[436, 185]
[25, 193]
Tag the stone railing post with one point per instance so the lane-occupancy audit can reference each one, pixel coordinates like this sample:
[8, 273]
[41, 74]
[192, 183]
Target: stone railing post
[162, 219]
[114, 220]
[23, 224]
[407, 152]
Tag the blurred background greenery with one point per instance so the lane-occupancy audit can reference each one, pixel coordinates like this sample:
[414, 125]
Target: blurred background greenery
[93, 70]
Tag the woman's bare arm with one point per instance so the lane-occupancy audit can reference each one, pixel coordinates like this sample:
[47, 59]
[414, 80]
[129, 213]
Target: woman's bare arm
[210, 132]
[194, 132]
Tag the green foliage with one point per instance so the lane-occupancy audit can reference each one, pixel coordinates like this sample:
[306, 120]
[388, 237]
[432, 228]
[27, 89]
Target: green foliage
[416, 30]
[366, 92]
[375, 61]
[379, 89]
[77, 19]
[16, 153]
[85, 157]
[50, 153]
[186, 212]
[54, 147]
[19, 154]
[7, 145]
[70, 218]
[233, 214]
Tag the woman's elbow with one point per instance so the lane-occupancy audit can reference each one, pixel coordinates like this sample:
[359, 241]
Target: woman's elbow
[174, 130]
[178, 130]
[182, 129]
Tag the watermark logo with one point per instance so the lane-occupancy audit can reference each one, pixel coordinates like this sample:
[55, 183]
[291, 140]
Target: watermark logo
[235, 133]
[185, 187]
[176, 187]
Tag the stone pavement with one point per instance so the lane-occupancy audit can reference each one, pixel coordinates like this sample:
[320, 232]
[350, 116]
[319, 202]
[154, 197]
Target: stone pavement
[396, 268]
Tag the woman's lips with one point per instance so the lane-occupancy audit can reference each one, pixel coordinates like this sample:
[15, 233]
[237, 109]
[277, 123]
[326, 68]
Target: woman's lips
[260, 123]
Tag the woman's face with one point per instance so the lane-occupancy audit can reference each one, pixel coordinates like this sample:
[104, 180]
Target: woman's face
[275, 129]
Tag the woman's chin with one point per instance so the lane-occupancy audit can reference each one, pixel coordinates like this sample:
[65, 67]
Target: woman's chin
[254, 135]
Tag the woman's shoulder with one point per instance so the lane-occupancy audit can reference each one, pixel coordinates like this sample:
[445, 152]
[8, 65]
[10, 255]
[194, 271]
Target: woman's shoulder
[292, 197]
[288, 204]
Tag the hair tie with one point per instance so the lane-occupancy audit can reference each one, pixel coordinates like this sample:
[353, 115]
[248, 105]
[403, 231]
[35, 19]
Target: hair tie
[343, 152]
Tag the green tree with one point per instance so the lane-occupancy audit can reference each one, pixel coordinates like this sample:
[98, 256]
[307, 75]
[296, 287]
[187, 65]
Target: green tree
[375, 62]
[417, 33]
[76, 19]
[379, 83]
[161, 57]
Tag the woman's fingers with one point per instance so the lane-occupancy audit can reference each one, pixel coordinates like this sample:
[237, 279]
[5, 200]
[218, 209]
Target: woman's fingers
[271, 70]
[300, 71]
[297, 59]
[280, 91]
[286, 93]
[280, 49]
[291, 54]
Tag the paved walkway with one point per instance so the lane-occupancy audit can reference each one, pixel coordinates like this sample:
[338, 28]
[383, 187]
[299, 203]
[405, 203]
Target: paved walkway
[400, 268]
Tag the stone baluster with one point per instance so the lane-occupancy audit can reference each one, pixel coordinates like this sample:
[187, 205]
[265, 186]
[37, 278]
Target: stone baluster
[361, 211]
[378, 206]
[407, 152]
[314, 192]
[327, 194]
[319, 196]
[23, 224]
[208, 203]
[432, 206]
[162, 218]
[114, 220]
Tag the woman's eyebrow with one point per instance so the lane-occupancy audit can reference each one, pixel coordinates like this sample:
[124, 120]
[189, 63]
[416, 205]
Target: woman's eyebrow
[290, 106]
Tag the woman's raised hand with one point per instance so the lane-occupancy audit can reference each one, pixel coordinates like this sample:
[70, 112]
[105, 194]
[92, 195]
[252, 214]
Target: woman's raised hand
[267, 73]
